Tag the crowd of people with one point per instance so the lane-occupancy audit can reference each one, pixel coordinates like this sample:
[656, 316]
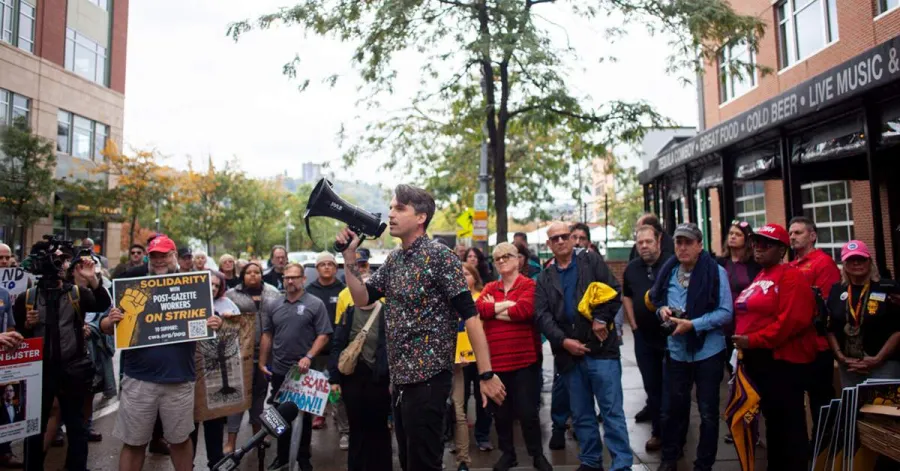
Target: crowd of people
[387, 340]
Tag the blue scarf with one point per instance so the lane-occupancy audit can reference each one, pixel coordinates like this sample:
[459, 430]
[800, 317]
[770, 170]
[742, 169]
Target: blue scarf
[702, 293]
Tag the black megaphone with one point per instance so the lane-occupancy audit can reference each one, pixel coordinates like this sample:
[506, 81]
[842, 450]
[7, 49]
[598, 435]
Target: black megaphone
[324, 202]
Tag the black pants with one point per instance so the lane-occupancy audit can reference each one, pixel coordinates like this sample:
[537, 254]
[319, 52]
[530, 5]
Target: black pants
[519, 405]
[368, 405]
[820, 388]
[284, 441]
[651, 356]
[482, 418]
[71, 405]
[680, 378]
[780, 386]
[213, 436]
[419, 420]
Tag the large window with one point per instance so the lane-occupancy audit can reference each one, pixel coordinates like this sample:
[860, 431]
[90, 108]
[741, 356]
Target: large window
[85, 57]
[734, 78]
[17, 23]
[80, 137]
[13, 106]
[750, 203]
[885, 5]
[804, 28]
[829, 205]
[77, 229]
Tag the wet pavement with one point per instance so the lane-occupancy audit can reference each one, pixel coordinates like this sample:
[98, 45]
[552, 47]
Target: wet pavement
[328, 457]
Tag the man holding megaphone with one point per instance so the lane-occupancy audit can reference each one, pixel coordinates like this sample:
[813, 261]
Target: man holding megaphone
[425, 296]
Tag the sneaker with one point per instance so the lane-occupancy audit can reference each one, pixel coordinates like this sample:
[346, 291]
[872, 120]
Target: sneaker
[277, 465]
[319, 423]
[558, 440]
[643, 416]
[506, 462]
[463, 467]
[654, 444]
[345, 442]
[485, 446]
[541, 464]
[729, 438]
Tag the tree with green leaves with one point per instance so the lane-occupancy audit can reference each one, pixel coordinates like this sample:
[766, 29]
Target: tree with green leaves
[490, 66]
[202, 205]
[627, 204]
[27, 162]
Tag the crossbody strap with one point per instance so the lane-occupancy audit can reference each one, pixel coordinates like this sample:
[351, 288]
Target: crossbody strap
[375, 312]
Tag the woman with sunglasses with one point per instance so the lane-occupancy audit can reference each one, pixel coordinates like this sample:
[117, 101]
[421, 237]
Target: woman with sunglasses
[774, 331]
[213, 429]
[864, 319]
[507, 308]
[252, 295]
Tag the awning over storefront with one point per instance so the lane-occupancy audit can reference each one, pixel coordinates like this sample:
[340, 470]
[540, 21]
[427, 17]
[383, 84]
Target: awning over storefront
[834, 140]
[710, 177]
[754, 165]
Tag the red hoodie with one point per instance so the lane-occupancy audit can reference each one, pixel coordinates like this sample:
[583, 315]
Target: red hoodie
[820, 271]
[776, 312]
[512, 344]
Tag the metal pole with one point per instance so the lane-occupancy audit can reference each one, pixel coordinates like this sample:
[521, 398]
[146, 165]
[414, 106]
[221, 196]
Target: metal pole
[483, 177]
[606, 222]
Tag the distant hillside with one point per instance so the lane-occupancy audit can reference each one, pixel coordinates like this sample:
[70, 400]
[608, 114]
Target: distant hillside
[372, 198]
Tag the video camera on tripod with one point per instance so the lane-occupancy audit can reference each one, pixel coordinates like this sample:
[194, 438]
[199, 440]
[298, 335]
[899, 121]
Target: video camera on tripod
[48, 258]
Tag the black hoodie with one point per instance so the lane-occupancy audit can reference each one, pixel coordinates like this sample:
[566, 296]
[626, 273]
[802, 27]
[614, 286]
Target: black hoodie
[328, 295]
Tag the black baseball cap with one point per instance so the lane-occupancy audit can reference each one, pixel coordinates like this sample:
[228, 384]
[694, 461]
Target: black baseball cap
[184, 252]
[363, 255]
[689, 230]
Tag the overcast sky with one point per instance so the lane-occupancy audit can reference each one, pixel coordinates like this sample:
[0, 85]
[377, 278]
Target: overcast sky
[191, 91]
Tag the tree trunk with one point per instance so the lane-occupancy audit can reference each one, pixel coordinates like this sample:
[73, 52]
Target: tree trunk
[131, 230]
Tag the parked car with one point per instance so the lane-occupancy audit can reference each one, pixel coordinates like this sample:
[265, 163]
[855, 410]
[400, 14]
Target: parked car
[309, 269]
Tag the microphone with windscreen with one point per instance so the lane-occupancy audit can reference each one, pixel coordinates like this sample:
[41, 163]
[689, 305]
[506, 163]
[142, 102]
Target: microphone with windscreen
[323, 201]
[274, 422]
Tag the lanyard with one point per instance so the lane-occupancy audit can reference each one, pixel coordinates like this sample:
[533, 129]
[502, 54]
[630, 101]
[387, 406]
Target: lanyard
[855, 312]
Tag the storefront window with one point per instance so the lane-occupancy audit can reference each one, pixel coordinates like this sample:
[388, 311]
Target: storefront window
[750, 203]
[829, 205]
[77, 229]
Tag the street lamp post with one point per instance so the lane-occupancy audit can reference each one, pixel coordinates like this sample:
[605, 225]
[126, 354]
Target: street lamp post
[287, 230]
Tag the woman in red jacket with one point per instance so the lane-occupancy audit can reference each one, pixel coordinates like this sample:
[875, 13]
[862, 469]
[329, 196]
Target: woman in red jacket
[774, 330]
[507, 308]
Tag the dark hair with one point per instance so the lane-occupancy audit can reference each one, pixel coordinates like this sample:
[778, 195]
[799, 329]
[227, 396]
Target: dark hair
[248, 265]
[137, 246]
[484, 271]
[805, 221]
[580, 226]
[419, 199]
[650, 219]
[745, 229]
[523, 251]
[523, 235]
[222, 284]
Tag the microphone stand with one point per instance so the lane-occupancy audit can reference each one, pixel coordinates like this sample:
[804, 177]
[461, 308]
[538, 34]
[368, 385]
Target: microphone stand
[261, 455]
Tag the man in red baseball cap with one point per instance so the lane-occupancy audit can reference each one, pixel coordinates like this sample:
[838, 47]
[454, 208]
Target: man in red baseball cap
[821, 272]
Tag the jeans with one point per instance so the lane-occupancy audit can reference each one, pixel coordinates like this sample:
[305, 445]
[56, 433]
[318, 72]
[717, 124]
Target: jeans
[780, 385]
[483, 420]
[419, 422]
[679, 378]
[461, 424]
[559, 403]
[213, 431]
[519, 405]
[650, 359]
[368, 404]
[71, 405]
[284, 441]
[593, 378]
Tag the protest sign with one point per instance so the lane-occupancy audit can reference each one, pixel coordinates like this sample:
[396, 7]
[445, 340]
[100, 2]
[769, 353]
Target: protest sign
[14, 280]
[164, 309]
[20, 385]
[309, 391]
[225, 369]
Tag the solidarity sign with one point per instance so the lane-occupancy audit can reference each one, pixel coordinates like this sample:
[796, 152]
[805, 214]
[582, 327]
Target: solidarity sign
[163, 309]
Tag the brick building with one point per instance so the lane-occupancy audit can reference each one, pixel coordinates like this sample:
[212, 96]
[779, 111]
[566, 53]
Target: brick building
[817, 136]
[62, 66]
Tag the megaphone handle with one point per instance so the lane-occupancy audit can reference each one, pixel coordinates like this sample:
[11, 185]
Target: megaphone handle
[339, 248]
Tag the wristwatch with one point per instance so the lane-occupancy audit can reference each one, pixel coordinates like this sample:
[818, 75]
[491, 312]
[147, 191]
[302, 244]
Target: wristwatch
[308, 357]
[486, 376]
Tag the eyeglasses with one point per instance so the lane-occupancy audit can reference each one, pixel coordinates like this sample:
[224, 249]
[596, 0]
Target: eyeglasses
[559, 238]
[5, 257]
[137, 252]
[290, 278]
[502, 258]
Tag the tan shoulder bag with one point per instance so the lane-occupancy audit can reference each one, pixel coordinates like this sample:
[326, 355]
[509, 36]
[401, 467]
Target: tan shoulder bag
[350, 355]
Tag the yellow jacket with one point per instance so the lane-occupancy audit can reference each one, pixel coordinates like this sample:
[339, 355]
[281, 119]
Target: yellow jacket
[596, 294]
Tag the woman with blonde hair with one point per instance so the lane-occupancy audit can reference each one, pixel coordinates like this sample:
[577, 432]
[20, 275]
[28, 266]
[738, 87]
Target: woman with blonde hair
[228, 267]
[864, 319]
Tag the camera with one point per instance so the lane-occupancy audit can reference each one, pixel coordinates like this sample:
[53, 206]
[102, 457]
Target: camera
[668, 327]
[46, 261]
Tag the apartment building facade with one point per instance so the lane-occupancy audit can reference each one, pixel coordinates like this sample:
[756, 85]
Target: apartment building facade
[817, 137]
[62, 67]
